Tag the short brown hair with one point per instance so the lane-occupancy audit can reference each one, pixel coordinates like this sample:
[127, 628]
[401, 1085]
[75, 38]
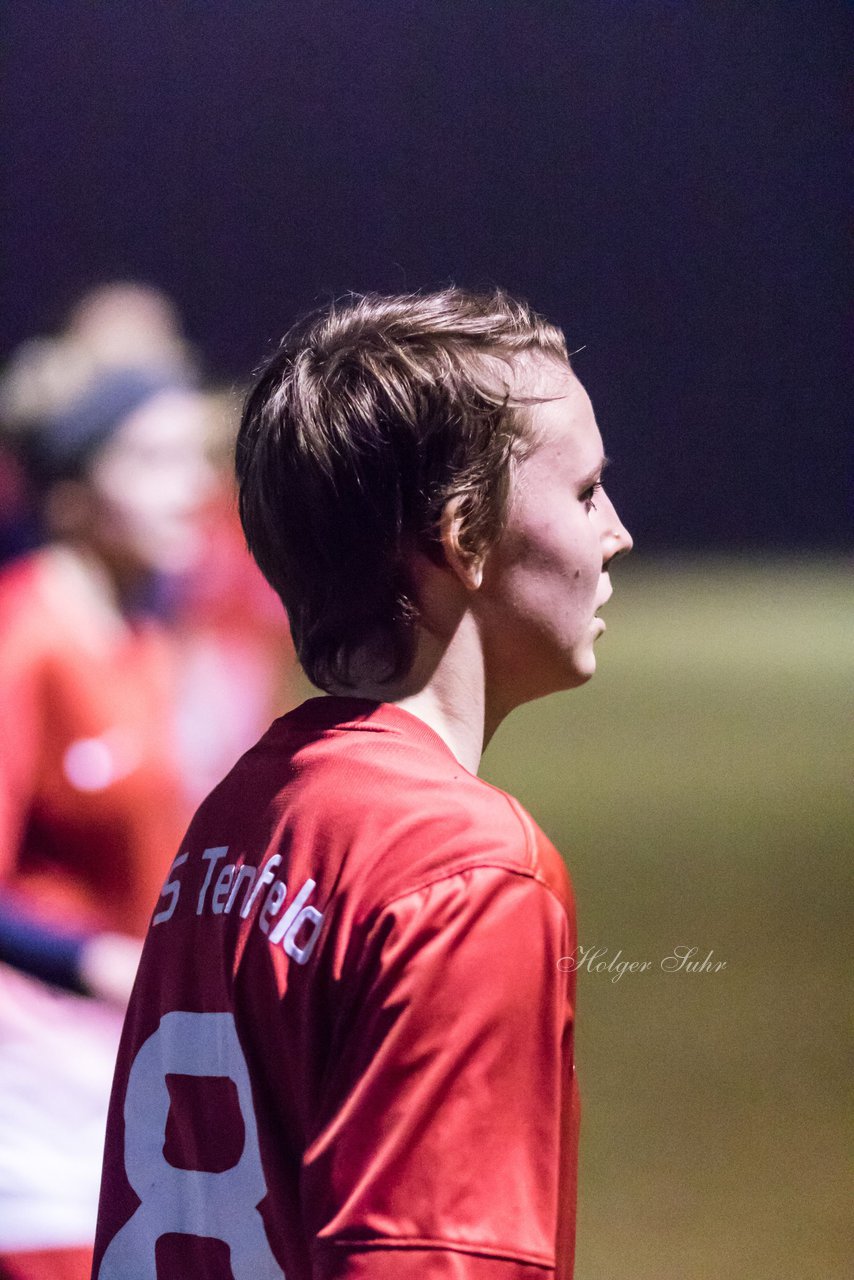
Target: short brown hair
[370, 417]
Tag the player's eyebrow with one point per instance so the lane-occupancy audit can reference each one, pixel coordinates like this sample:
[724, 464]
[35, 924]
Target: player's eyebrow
[595, 474]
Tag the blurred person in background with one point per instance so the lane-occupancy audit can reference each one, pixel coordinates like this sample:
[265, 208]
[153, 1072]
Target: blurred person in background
[122, 685]
[120, 325]
[91, 792]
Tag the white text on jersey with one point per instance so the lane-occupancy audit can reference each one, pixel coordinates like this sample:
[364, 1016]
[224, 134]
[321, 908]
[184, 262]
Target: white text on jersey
[295, 929]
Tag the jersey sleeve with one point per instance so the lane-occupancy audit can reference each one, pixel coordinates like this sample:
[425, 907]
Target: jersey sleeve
[444, 1146]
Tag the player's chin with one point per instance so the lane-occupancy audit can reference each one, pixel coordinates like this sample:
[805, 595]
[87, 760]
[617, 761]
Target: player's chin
[584, 674]
[575, 670]
[558, 676]
[556, 668]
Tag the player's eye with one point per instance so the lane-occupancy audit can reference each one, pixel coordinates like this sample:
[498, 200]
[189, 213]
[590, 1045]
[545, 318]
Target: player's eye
[589, 494]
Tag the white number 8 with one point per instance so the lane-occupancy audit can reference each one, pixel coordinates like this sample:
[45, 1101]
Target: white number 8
[221, 1206]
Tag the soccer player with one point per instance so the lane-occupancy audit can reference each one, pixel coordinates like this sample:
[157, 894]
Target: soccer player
[349, 1051]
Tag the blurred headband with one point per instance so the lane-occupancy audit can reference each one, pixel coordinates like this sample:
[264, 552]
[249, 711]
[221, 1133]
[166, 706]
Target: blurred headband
[61, 445]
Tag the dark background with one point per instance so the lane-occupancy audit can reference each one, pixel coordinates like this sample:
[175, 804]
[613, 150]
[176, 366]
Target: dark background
[666, 181]
[663, 179]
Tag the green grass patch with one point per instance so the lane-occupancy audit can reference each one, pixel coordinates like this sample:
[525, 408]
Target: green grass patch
[699, 789]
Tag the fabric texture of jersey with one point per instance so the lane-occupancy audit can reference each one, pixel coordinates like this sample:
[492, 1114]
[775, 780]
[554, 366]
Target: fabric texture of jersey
[349, 1050]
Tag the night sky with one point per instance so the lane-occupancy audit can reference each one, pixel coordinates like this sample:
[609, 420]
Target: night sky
[665, 180]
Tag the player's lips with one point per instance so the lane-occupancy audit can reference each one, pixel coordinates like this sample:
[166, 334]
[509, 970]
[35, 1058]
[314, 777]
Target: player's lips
[601, 605]
[604, 601]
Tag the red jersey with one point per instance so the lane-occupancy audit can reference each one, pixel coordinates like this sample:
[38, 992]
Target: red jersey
[91, 789]
[349, 1051]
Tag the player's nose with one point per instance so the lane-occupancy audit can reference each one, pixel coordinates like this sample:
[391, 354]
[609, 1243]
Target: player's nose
[616, 539]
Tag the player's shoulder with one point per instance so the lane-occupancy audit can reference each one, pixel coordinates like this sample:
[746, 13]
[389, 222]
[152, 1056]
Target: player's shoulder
[383, 800]
[20, 581]
[29, 620]
[48, 602]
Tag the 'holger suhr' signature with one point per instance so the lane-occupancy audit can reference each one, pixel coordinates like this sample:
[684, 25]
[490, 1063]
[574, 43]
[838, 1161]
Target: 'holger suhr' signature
[680, 960]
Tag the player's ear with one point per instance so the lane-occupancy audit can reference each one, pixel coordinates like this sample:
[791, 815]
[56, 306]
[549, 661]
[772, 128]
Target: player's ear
[466, 564]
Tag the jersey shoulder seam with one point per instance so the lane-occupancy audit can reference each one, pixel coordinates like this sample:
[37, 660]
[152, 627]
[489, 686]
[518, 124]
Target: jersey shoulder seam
[484, 863]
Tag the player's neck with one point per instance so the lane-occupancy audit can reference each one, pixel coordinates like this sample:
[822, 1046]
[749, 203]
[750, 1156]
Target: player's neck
[446, 688]
[458, 720]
